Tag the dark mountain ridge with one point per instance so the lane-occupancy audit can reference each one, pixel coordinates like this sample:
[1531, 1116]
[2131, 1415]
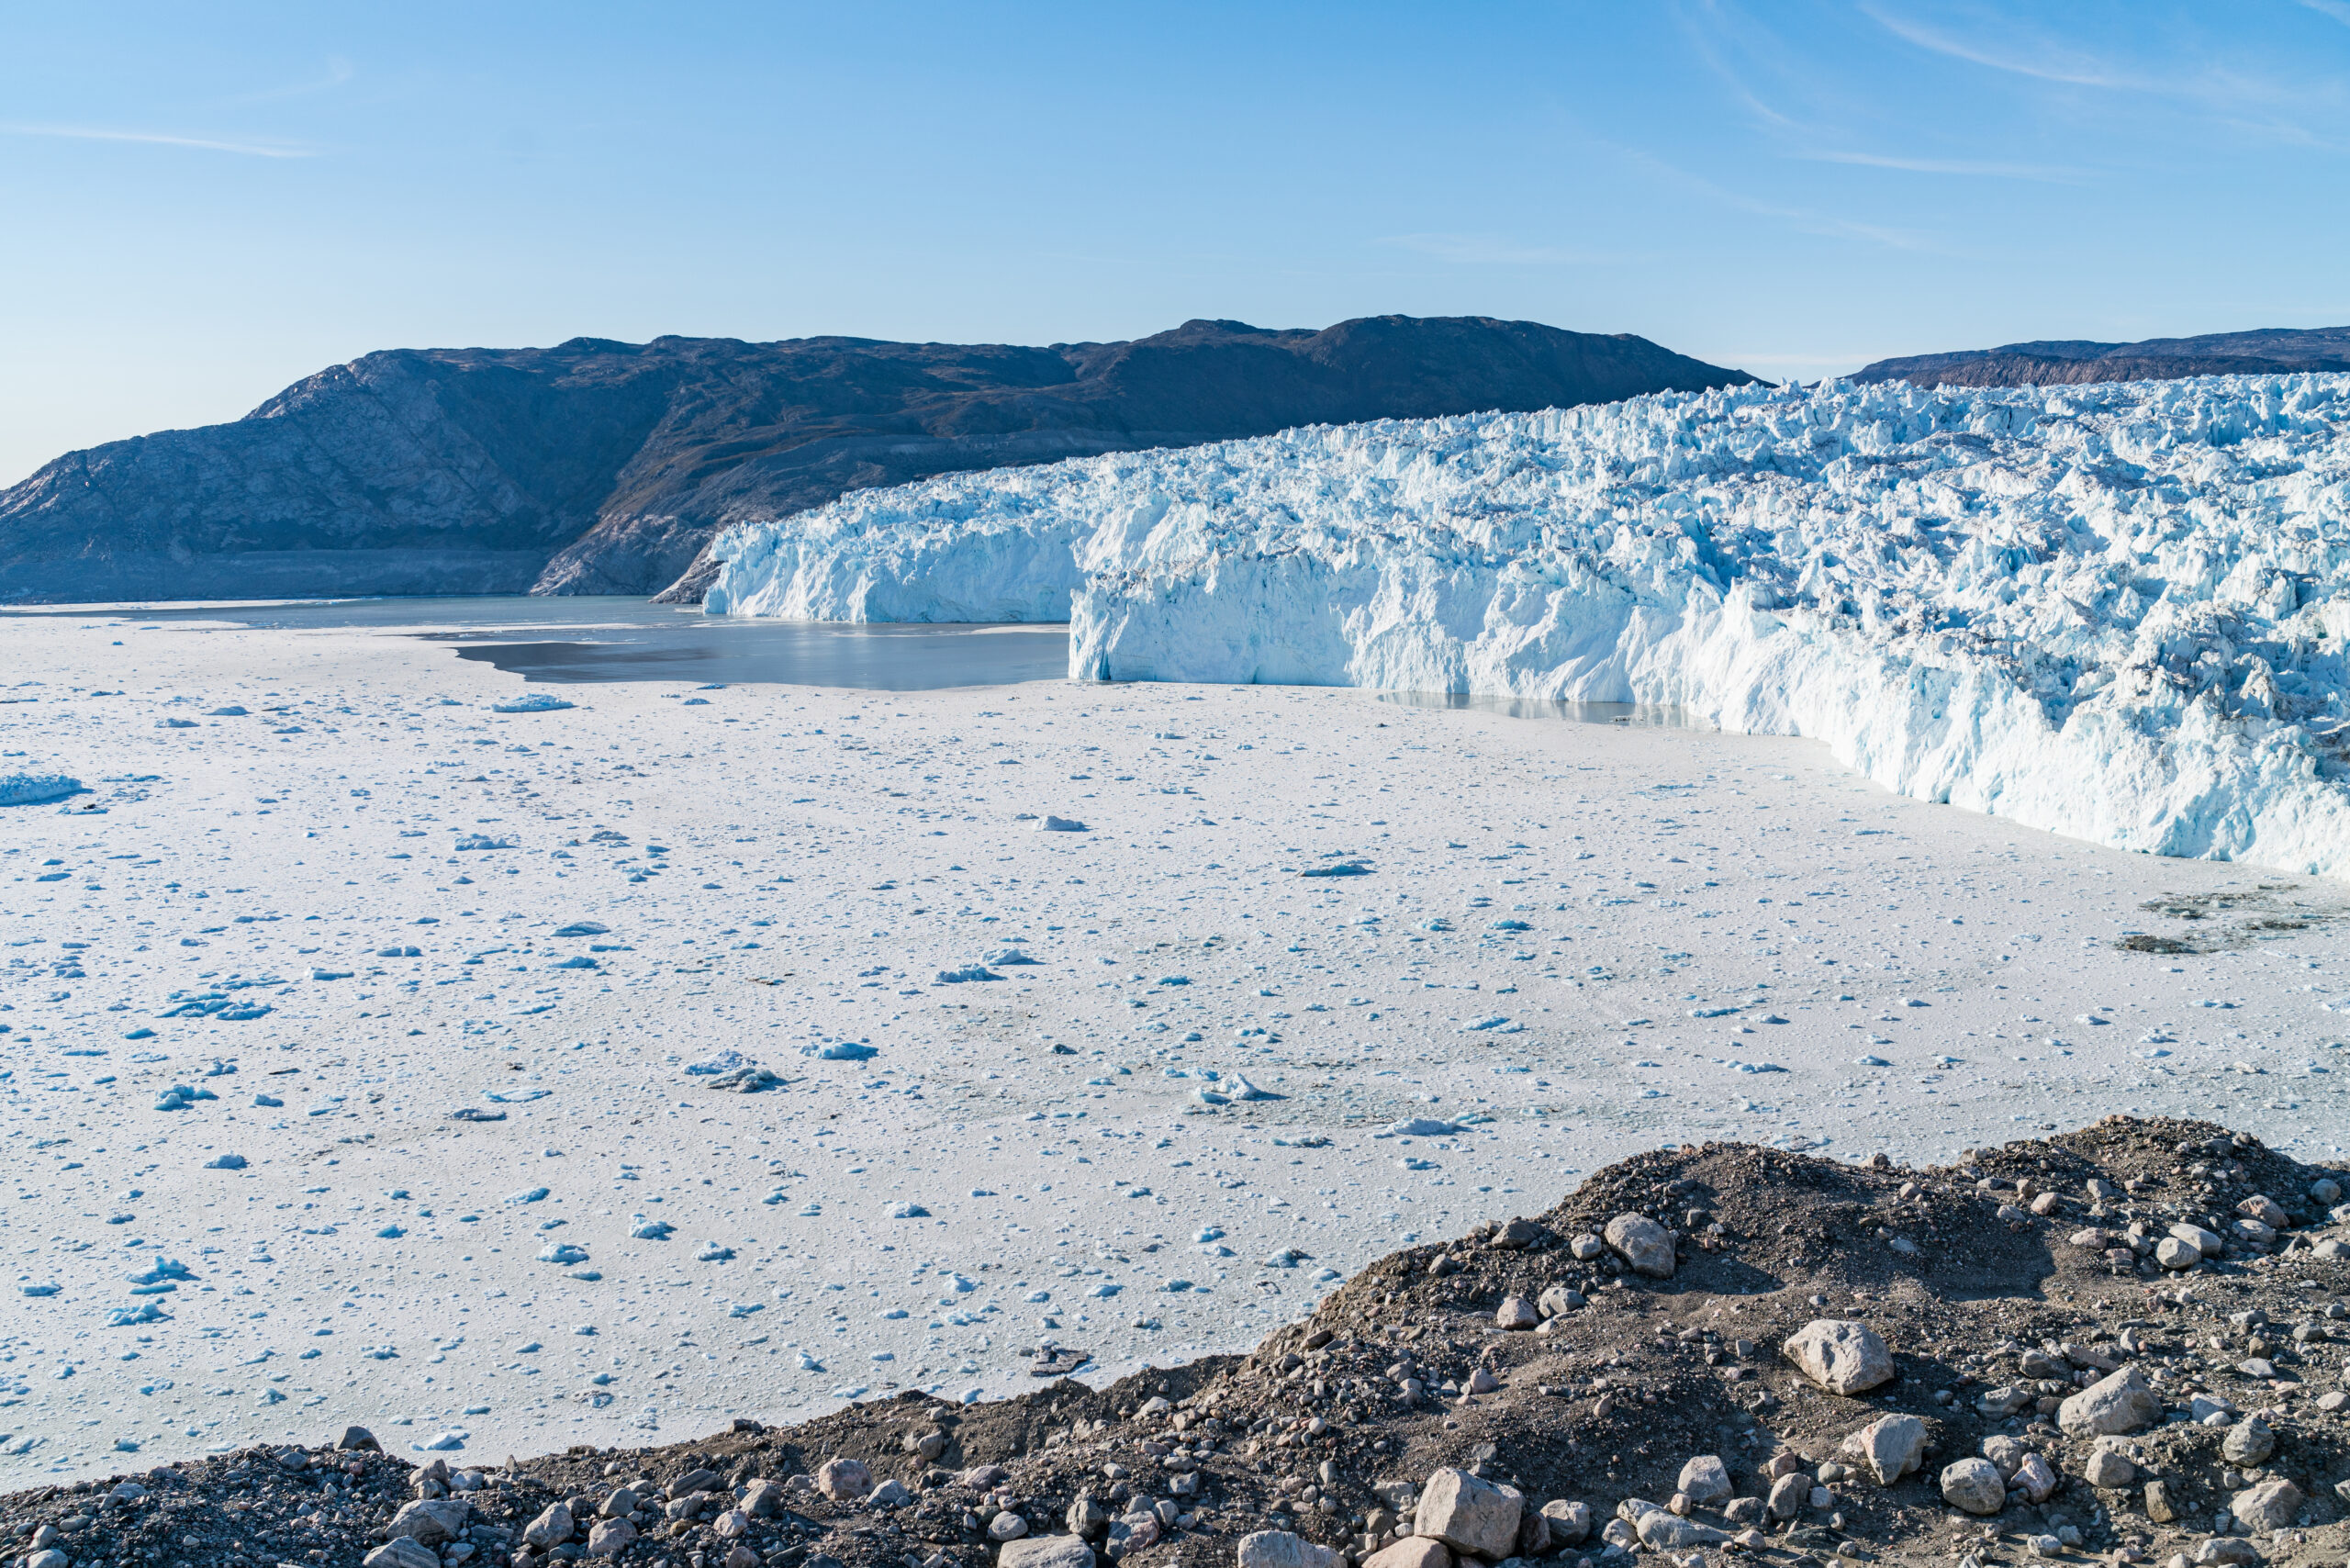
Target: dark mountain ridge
[2270, 351]
[596, 467]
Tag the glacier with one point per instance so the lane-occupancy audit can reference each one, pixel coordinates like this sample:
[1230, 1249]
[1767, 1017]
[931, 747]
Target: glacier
[2113, 612]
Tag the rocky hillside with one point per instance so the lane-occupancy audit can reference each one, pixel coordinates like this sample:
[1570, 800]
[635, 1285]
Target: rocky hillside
[2269, 351]
[2126, 1343]
[605, 468]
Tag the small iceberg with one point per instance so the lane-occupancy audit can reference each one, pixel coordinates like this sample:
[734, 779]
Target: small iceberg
[34, 788]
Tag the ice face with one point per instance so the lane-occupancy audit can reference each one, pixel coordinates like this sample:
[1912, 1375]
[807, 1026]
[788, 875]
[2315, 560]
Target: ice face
[2113, 612]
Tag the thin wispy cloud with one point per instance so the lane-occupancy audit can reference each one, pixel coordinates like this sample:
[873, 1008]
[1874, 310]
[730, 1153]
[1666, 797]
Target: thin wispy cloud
[1801, 220]
[337, 73]
[2337, 9]
[2043, 61]
[1491, 249]
[2053, 175]
[246, 148]
[1701, 38]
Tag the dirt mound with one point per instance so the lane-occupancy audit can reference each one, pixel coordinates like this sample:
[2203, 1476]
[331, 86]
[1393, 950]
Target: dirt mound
[1583, 1356]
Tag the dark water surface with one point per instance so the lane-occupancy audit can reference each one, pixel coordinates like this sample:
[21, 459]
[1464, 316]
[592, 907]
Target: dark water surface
[582, 639]
[585, 639]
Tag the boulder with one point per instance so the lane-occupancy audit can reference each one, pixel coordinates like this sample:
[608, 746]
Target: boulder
[2036, 1479]
[403, 1552]
[1516, 1312]
[1891, 1446]
[1046, 1552]
[1533, 1534]
[1841, 1355]
[1663, 1532]
[2249, 1441]
[1569, 1522]
[700, 1479]
[2206, 1243]
[2270, 1506]
[2265, 1211]
[1468, 1514]
[1972, 1486]
[2108, 1469]
[2226, 1551]
[1557, 1301]
[1283, 1549]
[2123, 1401]
[1789, 1494]
[1130, 1533]
[610, 1538]
[843, 1480]
[552, 1528]
[1705, 1480]
[1643, 1244]
[2170, 1252]
[1411, 1551]
[429, 1519]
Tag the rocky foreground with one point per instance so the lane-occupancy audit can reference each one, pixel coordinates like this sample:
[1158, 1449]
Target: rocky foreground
[2129, 1342]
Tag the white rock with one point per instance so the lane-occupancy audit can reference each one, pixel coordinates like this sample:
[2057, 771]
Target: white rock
[1841, 1355]
[1468, 1514]
[2123, 1401]
[1705, 1480]
[843, 1480]
[1283, 1549]
[2035, 1477]
[1974, 1485]
[2108, 1469]
[1046, 1552]
[1891, 1446]
[1569, 1521]
[402, 1551]
[2271, 1505]
[1643, 1244]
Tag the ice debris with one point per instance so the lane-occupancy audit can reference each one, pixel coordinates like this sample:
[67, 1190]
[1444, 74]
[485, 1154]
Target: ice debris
[532, 702]
[34, 789]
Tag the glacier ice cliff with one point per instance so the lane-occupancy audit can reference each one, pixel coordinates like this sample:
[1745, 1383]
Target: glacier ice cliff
[2114, 611]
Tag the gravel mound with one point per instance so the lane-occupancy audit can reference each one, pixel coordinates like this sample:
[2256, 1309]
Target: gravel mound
[2059, 1386]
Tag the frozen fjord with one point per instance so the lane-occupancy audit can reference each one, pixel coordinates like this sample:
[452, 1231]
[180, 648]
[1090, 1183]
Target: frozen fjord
[2116, 612]
[1570, 942]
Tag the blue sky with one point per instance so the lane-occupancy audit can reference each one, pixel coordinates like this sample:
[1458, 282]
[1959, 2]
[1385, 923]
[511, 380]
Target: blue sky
[205, 203]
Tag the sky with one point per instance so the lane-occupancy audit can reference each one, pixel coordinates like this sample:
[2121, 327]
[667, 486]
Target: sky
[200, 205]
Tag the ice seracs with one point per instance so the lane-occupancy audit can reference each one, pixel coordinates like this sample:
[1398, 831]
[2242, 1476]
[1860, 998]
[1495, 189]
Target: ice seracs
[2113, 612]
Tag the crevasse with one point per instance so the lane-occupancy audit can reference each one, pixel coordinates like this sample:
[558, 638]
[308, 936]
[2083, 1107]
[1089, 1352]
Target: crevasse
[2114, 611]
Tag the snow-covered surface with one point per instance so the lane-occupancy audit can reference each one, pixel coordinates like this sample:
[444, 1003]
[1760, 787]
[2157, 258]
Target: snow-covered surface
[246, 1001]
[2116, 612]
